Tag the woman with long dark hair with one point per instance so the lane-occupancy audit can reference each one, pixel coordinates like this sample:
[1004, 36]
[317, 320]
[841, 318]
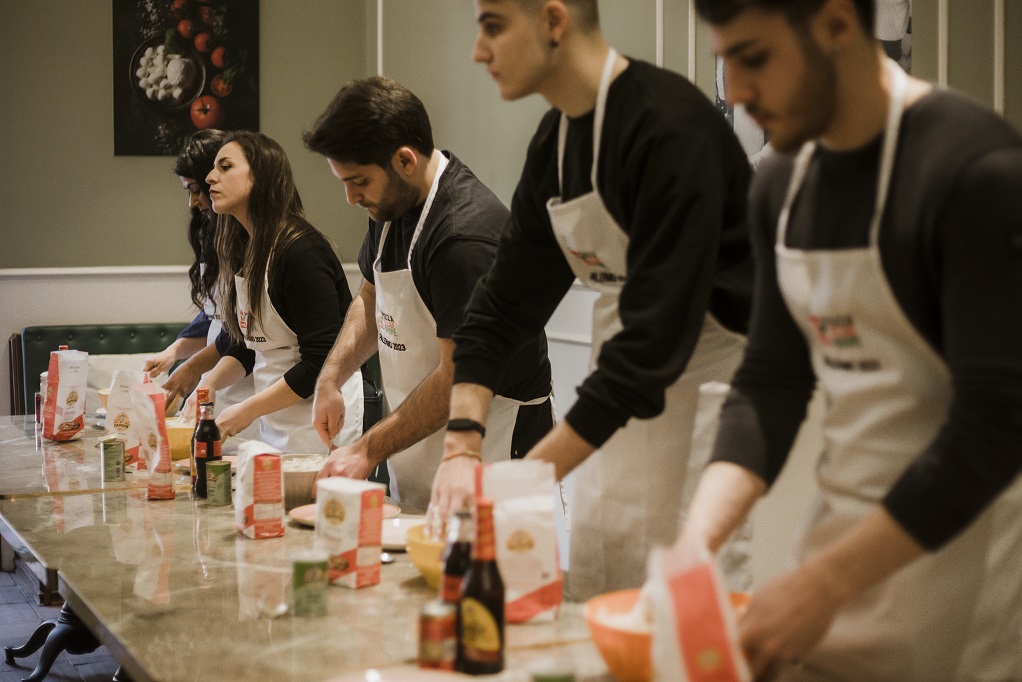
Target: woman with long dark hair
[284, 282]
[192, 165]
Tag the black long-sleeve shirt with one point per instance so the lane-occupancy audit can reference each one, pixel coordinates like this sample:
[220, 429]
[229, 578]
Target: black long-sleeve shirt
[310, 293]
[674, 177]
[951, 248]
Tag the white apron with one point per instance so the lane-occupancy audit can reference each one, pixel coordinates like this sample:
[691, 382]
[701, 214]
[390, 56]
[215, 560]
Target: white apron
[630, 494]
[951, 615]
[408, 354]
[232, 395]
[276, 348]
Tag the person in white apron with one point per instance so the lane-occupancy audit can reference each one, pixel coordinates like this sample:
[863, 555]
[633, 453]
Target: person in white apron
[285, 359]
[192, 165]
[916, 456]
[458, 224]
[655, 333]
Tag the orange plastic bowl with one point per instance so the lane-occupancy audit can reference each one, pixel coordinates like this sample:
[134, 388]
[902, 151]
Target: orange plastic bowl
[627, 653]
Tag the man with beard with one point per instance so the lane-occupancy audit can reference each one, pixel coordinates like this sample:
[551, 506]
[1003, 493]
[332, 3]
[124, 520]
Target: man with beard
[433, 231]
[889, 264]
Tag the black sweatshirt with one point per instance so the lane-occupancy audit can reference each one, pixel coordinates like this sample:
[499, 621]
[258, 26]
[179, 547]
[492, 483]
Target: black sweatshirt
[310, 293]
[951, 248]
[674, 177]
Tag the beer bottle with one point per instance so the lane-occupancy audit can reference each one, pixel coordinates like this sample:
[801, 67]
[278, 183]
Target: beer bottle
[201, 396]
[206, 445]
[481, 608]
[457, 555]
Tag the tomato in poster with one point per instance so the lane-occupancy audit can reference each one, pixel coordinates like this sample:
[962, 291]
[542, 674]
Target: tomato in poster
[207, 112]
[219, 57]
[177, 8]
[220, 86]
[202, 42]
[207, 15]
[187, 28]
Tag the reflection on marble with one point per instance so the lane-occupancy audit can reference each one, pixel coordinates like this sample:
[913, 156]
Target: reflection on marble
[34, 465]
[186, 597]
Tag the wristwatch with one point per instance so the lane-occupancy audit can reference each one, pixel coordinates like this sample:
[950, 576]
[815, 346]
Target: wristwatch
[466, 425]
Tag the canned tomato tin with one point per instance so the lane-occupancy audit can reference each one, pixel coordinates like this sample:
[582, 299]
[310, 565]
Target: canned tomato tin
[438, 637]
[218, 483]
[310, 582]
[113, 459]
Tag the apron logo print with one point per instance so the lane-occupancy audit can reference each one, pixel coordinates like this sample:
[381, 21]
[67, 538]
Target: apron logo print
[836, 332]
[246, 322]
[588, 257]
[386, 324]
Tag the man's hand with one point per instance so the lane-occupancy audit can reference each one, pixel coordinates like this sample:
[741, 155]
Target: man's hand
[454, 486]
[786, 619]
[234, 419]
[182, 382]
[328, 413]
[350, 461]
[157, 364]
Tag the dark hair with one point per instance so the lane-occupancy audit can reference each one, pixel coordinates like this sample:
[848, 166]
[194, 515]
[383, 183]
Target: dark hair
[796, 11]
[196, 161]
[369, 120]
[586, 12]
[278, 220]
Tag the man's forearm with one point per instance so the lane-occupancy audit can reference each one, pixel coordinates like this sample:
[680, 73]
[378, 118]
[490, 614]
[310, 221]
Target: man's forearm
[356, 342]
[725, 495]
[423, 413]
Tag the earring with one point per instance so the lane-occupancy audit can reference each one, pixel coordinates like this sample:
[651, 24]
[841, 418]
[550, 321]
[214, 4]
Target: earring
[553, 43]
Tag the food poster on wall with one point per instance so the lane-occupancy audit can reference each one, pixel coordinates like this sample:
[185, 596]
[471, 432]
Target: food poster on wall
[182, 66]
[893, 27]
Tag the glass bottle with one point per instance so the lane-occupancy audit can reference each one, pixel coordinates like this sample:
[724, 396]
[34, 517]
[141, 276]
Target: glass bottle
[481, 608]
[201, 396]
[457, 555]
[206, 445]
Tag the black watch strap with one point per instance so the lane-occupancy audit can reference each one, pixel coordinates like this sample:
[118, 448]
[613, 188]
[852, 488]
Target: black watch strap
[466, 425]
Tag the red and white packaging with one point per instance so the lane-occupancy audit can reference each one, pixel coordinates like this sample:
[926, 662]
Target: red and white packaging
[259, 497]
[523, 494]
[122, 419]
[150, 405]
[695, 630]
[66, 384]
[349, 528]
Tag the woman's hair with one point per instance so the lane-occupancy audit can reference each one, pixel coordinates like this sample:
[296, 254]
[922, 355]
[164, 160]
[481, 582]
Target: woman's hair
[278, 220]
[196, 161]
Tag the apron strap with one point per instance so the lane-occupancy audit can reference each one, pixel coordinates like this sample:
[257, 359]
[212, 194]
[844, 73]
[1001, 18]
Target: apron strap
[428, 205]
[601, 107]
[422, 218]
[899, 82]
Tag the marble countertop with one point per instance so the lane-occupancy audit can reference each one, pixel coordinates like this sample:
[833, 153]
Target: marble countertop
[33, 465]
[177, 594]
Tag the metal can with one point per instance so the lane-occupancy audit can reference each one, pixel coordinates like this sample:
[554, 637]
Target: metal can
[218, 483]
[310, 582]
[113, 459]
[438, 635]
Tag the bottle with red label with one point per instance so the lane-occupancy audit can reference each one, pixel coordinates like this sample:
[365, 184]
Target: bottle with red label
[481, 608]
[201, 396]
[206, 445]
[457, 555]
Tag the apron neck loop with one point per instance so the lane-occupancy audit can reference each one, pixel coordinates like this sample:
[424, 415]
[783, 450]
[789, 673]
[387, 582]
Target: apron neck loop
[441, 167]
[601, 106]
[895, 108]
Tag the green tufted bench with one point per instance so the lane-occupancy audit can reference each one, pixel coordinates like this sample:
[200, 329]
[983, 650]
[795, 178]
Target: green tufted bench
[96, 339]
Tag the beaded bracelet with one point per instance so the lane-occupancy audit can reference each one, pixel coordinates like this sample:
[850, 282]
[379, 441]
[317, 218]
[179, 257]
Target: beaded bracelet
[461, 453]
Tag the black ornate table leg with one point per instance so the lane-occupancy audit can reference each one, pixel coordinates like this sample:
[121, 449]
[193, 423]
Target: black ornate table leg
[66, 632]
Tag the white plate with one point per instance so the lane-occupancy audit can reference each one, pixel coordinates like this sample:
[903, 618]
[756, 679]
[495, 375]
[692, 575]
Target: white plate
[395, 529]
[399, 674]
